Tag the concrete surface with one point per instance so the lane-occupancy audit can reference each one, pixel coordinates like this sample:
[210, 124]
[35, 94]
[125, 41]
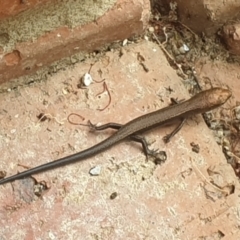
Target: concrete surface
[188, 197]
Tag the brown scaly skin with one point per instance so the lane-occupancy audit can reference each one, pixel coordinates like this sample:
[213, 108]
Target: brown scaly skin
[200, 103]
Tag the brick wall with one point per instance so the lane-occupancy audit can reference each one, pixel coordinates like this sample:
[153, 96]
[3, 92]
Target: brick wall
[34, 33]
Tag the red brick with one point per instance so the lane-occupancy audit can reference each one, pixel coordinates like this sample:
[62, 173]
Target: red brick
[206, 15]
[13, 7]
[125, 19]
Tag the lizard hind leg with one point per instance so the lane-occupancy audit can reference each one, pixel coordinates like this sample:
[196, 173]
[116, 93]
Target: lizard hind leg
[159, 156]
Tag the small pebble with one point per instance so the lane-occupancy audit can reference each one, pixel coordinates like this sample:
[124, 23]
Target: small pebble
[151, 29]
[95, 171]
[183, 49]
[146, 38]
[87, 79]
[13, 131]
[113, 195]
[125, 41]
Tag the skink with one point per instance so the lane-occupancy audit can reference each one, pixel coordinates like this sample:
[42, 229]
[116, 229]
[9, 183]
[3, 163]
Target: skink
[200, 103]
